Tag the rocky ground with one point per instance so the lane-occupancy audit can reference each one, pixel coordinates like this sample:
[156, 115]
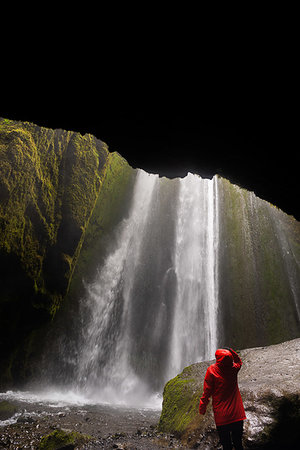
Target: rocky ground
[108, 427]
[269, 383]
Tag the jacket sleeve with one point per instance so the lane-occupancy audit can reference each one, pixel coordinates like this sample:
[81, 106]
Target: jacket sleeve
[237, 362]
[208, 388]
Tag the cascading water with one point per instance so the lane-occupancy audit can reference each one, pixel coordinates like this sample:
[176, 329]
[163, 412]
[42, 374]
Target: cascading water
[152, 307]
[104, 359]
[195, 319]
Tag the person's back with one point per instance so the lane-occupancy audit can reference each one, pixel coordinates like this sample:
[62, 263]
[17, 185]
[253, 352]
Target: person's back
[221, 384]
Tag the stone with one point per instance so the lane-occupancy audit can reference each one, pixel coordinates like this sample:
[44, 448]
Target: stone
[7, 410]
[60, 439]
[269, 382]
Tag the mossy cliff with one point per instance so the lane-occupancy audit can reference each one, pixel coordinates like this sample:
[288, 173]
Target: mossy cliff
[51, 181]
[271, 399]
[258, 270]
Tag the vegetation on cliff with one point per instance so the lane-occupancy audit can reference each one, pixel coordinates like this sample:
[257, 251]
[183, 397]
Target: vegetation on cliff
[50, 183]
[259, 275]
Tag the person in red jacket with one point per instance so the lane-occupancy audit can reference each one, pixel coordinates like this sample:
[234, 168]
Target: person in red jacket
[221, 384]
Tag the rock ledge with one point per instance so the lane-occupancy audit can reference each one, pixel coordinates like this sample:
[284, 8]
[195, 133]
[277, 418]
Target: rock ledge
[269, 382]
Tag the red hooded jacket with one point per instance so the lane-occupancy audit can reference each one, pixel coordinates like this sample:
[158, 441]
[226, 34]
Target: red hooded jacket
[220, 382]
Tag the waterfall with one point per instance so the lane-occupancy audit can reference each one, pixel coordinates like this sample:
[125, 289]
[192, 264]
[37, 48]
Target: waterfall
[152, 307]
[194, 326]
[105, 352]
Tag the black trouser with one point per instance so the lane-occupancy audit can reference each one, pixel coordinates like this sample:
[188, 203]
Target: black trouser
[231, 433]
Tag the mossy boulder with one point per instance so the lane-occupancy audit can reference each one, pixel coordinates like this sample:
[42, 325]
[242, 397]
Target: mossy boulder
[7, 410]
[60, 439]
[180, 414]
[269, 382]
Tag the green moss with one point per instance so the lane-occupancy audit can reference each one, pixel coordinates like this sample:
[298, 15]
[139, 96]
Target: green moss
[180, 409]
[180, 404]
[111, 205]
[59, 438]
[5, 121]
[50, 181]
[61, 195]
[7, 410]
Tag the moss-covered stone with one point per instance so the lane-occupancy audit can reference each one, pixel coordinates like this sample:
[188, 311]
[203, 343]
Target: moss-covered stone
[178, 397]
[7, 410]
[271, 400]
[63, 439]
[181, 396]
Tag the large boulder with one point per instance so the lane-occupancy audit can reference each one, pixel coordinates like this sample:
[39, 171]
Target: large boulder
[63, 439]
[269, 382]
[7, 410]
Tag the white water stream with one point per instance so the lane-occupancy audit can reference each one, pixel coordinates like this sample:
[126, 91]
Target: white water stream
[194, 336]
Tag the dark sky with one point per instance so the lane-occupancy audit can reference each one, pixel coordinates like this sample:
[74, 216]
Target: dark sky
[205, 99]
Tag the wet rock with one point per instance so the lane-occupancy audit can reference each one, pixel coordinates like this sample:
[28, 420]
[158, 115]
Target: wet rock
[25, 419]
[269, 382]
[62, 440]
[7, 410]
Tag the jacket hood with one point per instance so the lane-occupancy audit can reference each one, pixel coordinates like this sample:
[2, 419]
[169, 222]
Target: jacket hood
[224, 358]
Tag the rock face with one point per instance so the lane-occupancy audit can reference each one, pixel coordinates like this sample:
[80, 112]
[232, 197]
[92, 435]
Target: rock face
[269, 382]
[51, 181]
[258, 270]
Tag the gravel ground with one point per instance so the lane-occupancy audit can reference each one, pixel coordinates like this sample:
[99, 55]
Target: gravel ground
[110, 427]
